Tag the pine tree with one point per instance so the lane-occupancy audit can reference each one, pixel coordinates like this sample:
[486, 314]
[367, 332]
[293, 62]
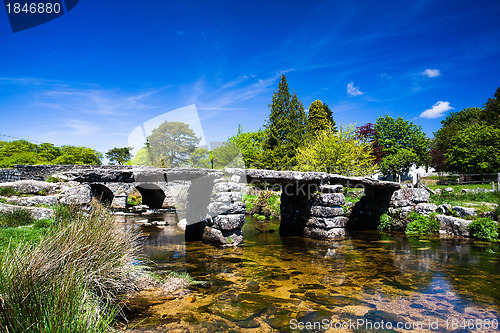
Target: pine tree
[285, 129]
[319, 119]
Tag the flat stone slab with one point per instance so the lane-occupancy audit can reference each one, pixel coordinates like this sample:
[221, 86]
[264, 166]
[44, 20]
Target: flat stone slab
[328, 199]
[319, 233]
[321, 211]
[38, 213]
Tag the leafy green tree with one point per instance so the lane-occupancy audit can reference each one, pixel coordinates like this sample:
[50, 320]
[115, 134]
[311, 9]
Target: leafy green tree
[491, 114]
[454, 123]
[200, 158]
[24, 152]
[340, 152]
[78, 155]
[285, 129]
[251, 146]
[119, 155]
[474, 149]
[227, 156]
[396, 134]
[171, 144]
[142, 158]
[398, 163]
[318, 119]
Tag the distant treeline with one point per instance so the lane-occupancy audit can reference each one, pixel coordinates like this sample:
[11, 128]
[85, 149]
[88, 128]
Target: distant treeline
[25, 152]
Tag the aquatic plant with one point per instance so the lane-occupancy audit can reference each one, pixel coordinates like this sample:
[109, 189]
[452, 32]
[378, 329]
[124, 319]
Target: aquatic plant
[385, 223]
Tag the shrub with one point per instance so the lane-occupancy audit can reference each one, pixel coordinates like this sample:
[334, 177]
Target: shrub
[8, 191]
[53, 179]
[17, 218]
[267, 204]
[384, 223]
[70, 281]
[421, 225]
[484, 229]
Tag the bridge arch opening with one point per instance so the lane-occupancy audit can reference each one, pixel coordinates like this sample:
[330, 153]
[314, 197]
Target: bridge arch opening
[102, 193]
[152, 195]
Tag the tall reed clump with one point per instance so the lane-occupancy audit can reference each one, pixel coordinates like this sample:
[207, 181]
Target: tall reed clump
[71, 280]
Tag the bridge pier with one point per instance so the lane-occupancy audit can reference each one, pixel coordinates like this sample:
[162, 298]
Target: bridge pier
[227, 213]
[316, 213]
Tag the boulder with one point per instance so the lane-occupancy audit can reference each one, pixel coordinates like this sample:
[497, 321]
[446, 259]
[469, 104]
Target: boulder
[327, 223]
[416, 195]
[402, 203]
[213, 236]
[328, 199]
[450, 225]
[449, 189]
[78, 195]
[463, 211]
[444, 209]
[425, 208]
[322, 211]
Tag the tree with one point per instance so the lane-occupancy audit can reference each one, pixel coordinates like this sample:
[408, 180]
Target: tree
[398, 163]
[396, 134]
[251, 145]
[200, 158]
[285, 129]
[491, 114]
[368, 134]
[171, 144]
[119, 155]
[338, 152]
[24, 152]
[227, 156]
[474, 149]
[318, 119]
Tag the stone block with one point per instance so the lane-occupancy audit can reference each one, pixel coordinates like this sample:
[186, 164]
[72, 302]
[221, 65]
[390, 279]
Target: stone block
[327, 223]
[319, 233]
[226, 197]
[229, 222]
[331, 188]
[402, 203]
[417, 195]
[322, 211]
[218, 208]
[78, 195]
[328, 199]
[227, 187]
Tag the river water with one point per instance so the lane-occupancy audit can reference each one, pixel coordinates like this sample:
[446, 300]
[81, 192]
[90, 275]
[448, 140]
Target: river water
[368, 282]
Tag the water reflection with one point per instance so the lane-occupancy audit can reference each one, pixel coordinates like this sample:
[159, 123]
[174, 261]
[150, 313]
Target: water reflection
[368, 276]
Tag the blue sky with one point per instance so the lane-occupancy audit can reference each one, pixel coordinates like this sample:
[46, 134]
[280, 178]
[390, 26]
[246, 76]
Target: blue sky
[93, 75]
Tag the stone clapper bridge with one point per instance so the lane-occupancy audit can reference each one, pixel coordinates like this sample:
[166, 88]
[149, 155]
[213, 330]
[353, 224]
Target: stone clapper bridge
[312, 203]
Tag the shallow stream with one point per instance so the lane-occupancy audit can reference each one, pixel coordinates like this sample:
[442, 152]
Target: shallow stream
[367, 282]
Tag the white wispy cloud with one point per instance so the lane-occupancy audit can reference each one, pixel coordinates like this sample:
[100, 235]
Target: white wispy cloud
[438, 110]
[431, 72]
[353, 91]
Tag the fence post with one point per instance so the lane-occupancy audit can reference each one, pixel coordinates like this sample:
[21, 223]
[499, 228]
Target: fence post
[498, 182]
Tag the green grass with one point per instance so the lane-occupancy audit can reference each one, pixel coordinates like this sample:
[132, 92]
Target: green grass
[16, 218]
[265, 204]
[459, 187]
[66, 278]
[457, 198]
[8, 192]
